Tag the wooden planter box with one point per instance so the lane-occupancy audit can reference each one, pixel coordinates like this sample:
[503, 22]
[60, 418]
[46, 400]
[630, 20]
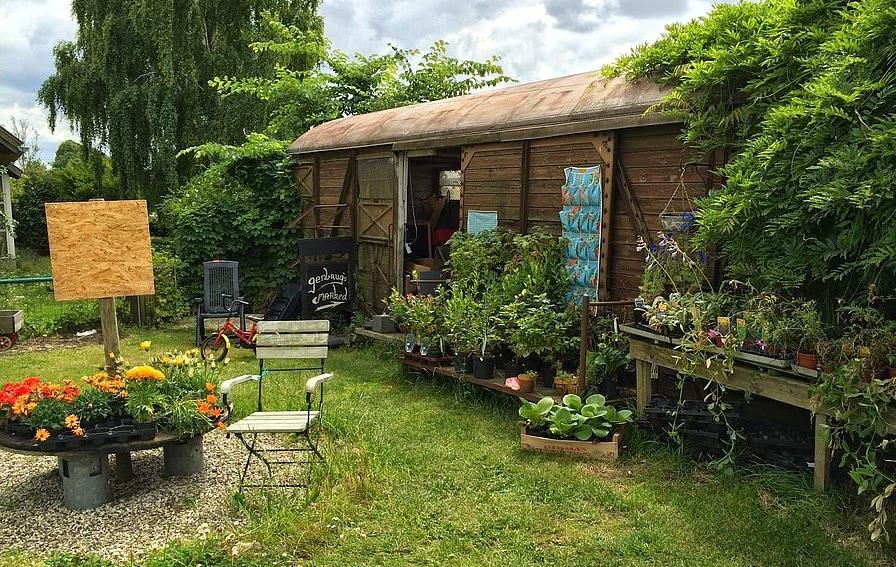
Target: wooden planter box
[597, 450]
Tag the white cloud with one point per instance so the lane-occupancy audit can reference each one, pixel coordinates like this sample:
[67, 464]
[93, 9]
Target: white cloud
[536, 39]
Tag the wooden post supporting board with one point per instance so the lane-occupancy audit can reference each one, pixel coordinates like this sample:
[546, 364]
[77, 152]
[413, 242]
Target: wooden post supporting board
[109, 328]
[583, 344]
[822, 454]
[643, 384]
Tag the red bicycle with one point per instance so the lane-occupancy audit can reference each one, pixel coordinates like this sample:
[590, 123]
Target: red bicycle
[216, 346]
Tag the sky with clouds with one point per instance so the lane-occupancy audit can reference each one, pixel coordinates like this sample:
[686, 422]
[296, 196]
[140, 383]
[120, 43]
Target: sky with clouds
[536, 39]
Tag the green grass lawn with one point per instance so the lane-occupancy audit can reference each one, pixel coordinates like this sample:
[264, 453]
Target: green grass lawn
[421, 472]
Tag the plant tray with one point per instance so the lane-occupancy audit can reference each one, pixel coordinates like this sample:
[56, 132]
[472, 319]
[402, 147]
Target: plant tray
[596, 450]
[783, 363]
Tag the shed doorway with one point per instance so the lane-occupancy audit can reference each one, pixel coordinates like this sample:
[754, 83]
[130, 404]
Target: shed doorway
[434, 192]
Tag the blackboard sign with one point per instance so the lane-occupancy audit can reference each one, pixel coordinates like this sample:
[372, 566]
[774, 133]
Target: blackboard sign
[327, 286]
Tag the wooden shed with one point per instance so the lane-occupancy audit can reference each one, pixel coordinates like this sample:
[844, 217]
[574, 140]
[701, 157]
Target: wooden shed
[398, 181]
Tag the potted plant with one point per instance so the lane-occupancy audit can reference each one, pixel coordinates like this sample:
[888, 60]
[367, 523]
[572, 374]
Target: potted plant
[398, 307]
[809, 333]
[527, 381]
[459, 309]
[539, 333]
[588, 428]
[566, 382]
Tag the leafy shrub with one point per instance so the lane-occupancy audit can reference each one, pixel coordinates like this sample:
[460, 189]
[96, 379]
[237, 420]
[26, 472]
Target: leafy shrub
[801, 95]
[170, 301]
[238, 209]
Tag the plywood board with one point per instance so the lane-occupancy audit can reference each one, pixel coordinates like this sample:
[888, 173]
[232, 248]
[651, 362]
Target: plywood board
[100, 249]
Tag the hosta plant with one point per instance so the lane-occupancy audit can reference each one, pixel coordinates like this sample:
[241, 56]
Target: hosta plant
[573, 418]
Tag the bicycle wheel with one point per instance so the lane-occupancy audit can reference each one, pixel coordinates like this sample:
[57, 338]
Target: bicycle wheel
[212, 351]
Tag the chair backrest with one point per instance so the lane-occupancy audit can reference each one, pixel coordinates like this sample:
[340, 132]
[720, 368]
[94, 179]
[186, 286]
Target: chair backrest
[293, 339]
[220, 277]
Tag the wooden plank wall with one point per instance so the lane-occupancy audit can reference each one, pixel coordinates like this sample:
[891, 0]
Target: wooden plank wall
[651, 157]
[491, 181]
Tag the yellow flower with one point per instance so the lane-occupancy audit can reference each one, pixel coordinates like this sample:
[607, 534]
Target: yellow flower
[145, 345]
[179, 360]
[144, 373]
[209, 387]
[41, 434]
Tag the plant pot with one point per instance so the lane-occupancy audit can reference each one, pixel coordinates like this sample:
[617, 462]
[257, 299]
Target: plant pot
[503, 357]
[527, 384]
[409, 342]
[807, 360]
[184, 457]
[548, 373]
[460, 362]
[424, 350]
[483, 368]
[607, 388]
[677, 222]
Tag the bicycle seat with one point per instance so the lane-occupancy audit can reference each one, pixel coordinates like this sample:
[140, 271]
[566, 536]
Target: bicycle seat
[255, 318]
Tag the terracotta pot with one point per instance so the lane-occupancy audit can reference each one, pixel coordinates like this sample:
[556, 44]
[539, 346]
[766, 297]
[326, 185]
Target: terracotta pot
[527, 384]
[807, 360]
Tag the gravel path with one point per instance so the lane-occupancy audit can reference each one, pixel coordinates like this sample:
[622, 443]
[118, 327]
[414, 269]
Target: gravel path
[146, 513]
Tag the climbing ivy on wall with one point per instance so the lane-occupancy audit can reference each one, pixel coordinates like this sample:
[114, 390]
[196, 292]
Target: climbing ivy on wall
[800, 94]
[136, 79]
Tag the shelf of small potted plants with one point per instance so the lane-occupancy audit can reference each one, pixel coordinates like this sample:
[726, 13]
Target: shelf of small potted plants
[589, 428]
[173, 393]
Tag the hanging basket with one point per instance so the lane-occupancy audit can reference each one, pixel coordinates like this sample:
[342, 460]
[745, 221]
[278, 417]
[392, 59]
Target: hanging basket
[678, 222]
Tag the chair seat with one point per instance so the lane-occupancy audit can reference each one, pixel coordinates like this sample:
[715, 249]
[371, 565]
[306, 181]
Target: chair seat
[275, 422]
[255, 318]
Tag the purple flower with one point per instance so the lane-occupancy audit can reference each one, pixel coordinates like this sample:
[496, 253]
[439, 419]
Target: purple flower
[714, 334]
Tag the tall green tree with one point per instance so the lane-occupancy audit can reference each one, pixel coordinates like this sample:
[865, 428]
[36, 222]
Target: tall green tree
[801, 95]
[250, 186]
[136, 79]
[344, 85]
[72, 177]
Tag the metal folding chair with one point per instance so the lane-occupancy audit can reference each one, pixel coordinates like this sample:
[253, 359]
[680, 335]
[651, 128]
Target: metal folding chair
[299, 340]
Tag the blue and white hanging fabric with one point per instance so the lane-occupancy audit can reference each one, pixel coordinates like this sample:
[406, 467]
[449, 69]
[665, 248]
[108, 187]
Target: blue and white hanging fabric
[580, 218]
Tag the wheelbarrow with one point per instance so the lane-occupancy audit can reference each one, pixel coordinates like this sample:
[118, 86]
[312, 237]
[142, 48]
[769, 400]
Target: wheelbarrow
[11, 321]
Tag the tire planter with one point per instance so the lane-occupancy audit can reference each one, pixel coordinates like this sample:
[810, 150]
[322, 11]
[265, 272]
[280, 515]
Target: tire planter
[606, 449]
[184, 457]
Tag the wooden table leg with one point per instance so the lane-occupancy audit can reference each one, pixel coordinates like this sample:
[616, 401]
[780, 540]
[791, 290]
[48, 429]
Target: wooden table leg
[822, 455]
[124, 468]
[643, 384]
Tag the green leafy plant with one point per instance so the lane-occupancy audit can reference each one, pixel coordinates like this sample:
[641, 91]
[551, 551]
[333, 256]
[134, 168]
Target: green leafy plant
[95, 406]
[50, 414]
[537, 327]
[574, 418]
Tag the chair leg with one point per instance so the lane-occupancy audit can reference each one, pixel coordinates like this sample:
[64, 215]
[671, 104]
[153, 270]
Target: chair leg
[248, 458]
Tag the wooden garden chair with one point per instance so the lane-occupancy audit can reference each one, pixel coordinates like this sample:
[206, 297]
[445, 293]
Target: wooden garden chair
[280, 340]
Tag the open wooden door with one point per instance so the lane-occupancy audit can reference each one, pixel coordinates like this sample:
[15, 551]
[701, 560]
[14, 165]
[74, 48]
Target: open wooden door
[375, 226]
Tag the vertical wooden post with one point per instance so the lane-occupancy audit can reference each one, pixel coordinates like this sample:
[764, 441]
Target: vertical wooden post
[315, 195]
[643, 384]
[109, 327]
[606, 148]
[524, 187]
[583, 345]
[822, 454]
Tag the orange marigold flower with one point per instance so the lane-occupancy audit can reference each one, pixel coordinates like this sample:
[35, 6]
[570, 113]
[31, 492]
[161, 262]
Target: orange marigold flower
[209, 387]
[212, 399]
[41, 434]
[144, 373]
[204, 407]
[78, 431]
[216, 412]
[221, 425]
[72, 421]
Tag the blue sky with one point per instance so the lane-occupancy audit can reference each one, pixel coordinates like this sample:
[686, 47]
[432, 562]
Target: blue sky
[536, 39]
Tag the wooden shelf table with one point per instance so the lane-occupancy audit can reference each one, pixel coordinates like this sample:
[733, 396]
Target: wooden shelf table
[648, 349]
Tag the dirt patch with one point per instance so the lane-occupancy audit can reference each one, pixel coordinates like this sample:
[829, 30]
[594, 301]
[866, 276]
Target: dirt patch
[39, 344]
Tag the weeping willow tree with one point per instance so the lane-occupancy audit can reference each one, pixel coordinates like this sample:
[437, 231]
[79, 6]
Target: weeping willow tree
[801, 95]
[136, 79]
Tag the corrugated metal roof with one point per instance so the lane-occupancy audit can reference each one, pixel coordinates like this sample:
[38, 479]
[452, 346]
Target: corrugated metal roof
[567, 105]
